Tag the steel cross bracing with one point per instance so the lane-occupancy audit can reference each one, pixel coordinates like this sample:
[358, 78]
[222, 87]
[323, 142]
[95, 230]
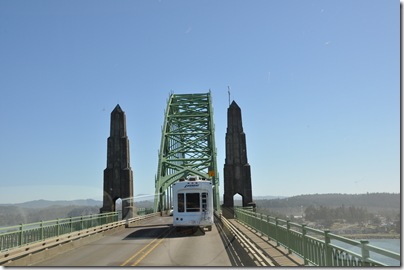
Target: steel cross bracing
[187, 146]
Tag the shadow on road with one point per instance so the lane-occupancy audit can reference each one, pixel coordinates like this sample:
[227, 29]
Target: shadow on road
[150, 225]
[147, 232]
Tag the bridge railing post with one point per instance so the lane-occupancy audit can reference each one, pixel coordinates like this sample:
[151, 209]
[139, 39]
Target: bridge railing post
[57, 227]
[304, 232]
[262, 224]
[267, 227]
[21, 238]
[256, 221]
[288, 236]
[41, 230]
[327, 249]
[365, 252]
[276, 231]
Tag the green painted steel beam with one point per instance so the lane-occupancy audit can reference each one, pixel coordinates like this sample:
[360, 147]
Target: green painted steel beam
[187, 145]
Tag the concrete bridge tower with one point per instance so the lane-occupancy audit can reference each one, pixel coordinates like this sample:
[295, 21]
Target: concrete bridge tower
[237, 174]
[118, 176]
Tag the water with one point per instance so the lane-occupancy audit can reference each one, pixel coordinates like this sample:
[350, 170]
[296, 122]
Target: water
[388, 244]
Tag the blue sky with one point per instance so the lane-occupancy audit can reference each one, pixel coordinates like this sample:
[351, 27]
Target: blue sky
[318, 83]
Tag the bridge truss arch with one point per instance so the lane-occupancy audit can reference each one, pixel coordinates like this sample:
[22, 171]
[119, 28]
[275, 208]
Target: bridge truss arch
[187, 146]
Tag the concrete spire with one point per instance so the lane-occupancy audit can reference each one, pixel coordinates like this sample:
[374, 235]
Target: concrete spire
[118, 123]
[237, 174]
[118, 176]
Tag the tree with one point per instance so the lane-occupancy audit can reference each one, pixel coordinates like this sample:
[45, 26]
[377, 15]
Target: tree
[397, 224]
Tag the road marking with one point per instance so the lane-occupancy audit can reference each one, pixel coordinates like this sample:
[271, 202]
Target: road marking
[147, 252]
[145, 247]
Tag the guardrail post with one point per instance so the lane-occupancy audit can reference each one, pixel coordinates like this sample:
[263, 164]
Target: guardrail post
[267, 227]
[71, 225]
[288, 236]
[58, 227]
[365, 252]
[276, 231]
[327, 250]
[256, 221]
[21, 240]
[304, 232]
[251, 216]
[41, 226]
[261, 223]
[81, 222]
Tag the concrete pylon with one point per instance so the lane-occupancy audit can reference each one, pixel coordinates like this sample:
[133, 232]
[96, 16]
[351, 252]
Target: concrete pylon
[237, 173]
[118, 176]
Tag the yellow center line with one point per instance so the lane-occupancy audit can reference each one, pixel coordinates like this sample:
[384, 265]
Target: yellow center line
[151, 249]
[147, 253]
[151, 242]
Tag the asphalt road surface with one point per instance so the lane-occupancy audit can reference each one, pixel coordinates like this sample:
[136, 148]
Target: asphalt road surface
[155, 243]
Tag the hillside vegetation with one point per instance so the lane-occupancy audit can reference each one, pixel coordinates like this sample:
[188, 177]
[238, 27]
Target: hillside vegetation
[372, 202]
[41, 210]
[371, 213]
[386, 204]
[13, 215]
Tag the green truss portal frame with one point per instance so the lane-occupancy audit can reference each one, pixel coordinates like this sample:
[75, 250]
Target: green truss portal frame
[187, 146]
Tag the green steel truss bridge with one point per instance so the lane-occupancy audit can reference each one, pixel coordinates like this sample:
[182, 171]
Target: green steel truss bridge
[187, 146]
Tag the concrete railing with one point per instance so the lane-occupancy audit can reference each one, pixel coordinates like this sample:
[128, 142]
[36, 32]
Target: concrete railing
[316, 247]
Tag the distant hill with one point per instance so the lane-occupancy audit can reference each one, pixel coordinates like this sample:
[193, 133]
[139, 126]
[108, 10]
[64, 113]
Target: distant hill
[268, 197]
[369, 200]
[45, 203]
[35, 211]
[12, 214]
[372, 202]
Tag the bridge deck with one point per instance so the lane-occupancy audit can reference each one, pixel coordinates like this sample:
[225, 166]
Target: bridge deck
[277, 254]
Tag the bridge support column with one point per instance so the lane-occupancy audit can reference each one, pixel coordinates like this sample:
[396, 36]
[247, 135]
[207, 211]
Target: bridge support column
[237, 174]
[118, 176]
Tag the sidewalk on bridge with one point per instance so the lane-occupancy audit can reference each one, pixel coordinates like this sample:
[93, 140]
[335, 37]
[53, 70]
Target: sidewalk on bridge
[278, 254]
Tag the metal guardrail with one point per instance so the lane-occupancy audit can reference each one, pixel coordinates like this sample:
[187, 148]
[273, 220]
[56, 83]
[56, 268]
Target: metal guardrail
[314, 246]
[144, 211]
[23, 234]
[15, 253]
[259, 257]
